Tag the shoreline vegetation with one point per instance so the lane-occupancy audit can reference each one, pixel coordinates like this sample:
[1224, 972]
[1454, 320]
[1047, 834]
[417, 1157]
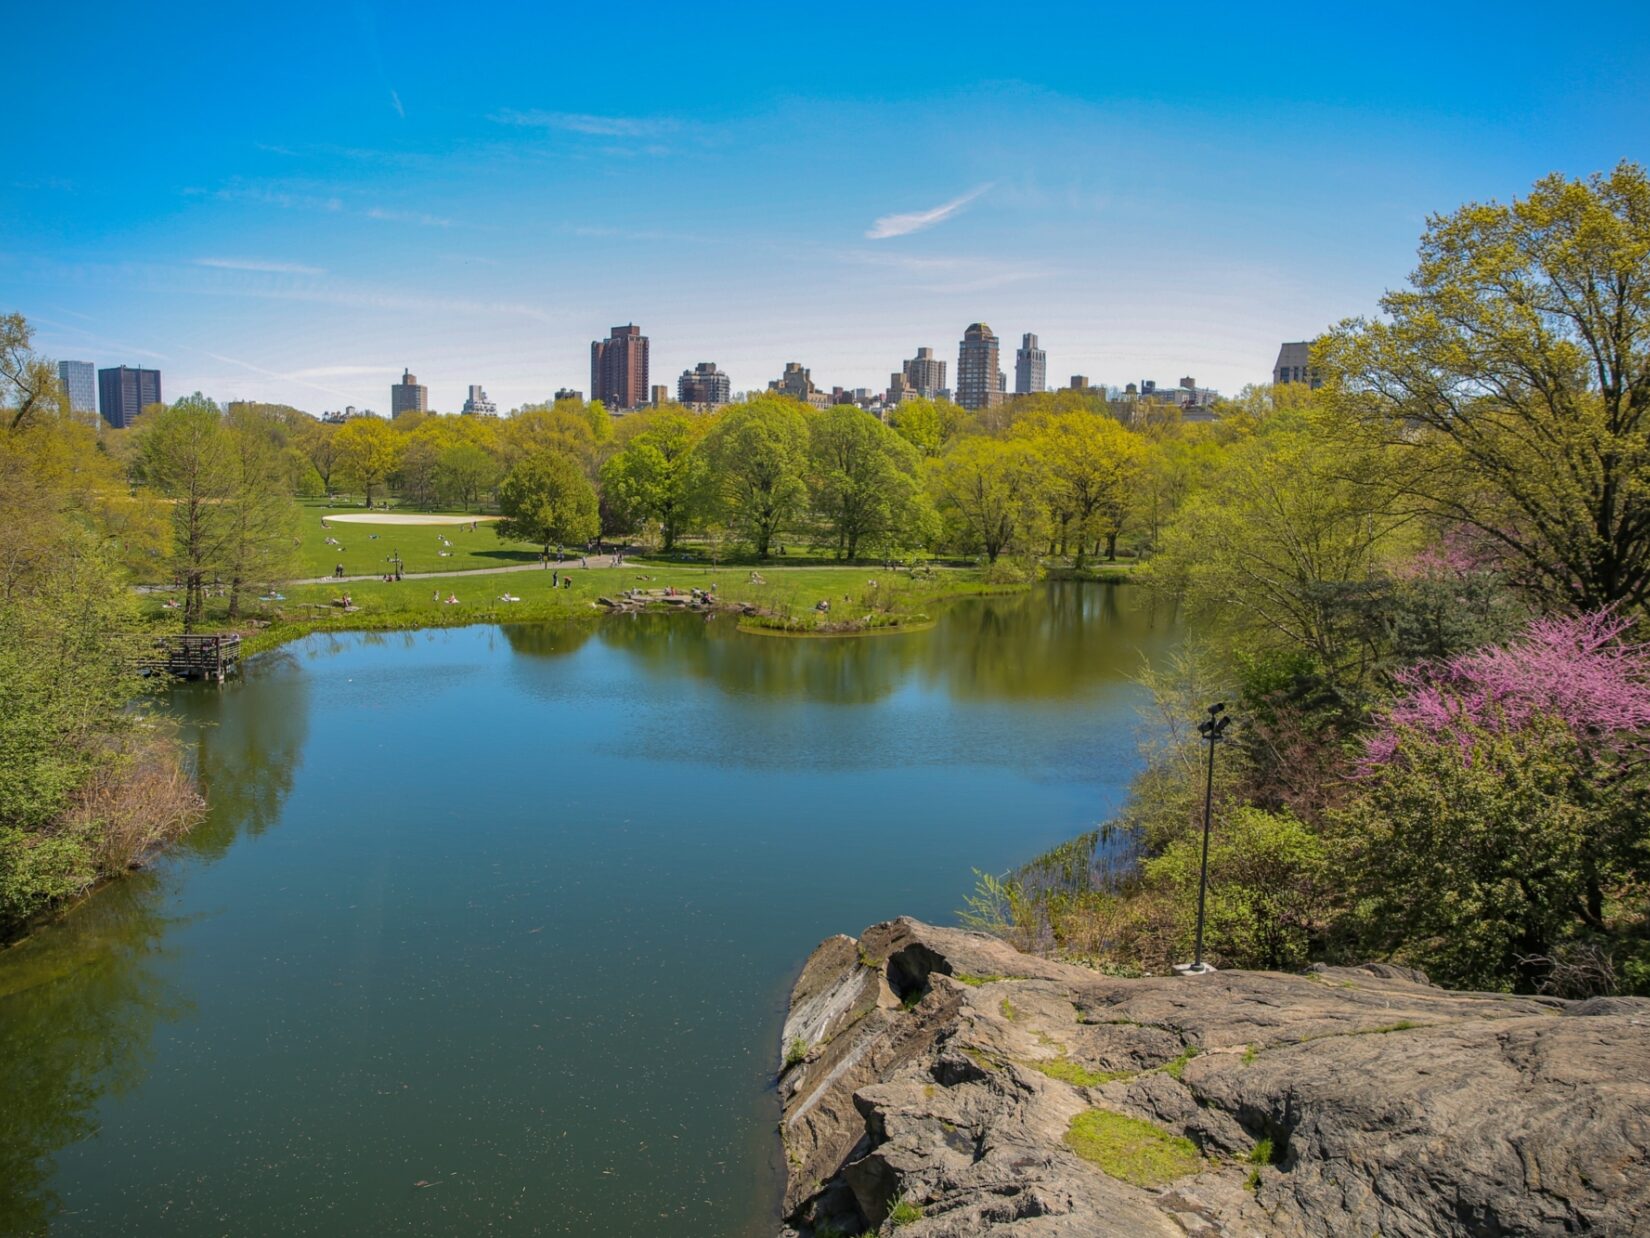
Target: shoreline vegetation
[778, 601]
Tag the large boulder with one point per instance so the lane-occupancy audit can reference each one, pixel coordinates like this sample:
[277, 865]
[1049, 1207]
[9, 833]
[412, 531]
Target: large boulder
[940, 1082]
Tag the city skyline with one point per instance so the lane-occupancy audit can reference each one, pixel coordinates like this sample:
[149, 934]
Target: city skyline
[355, 206]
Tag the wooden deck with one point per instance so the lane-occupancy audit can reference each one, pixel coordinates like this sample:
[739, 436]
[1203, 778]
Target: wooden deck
[196, 656]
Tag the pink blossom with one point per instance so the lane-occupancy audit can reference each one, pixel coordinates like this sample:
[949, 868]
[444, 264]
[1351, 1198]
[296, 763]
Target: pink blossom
[1578, 669]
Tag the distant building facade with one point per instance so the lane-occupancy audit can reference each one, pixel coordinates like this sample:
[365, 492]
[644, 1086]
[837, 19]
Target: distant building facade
[1079, 382]
[408, 396]
[704, 385]
[79, 380]
[567, 393]
[658, 394]
[1294, 365]
[1030, 367]
[476, 404]
[979, 380]
[125, 391]
[924, 375]
[618, 368]
[797, 383]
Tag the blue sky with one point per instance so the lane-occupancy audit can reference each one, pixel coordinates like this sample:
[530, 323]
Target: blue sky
[292, 202]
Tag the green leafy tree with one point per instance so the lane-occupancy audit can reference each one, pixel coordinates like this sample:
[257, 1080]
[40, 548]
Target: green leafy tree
[260, 535]
[988, 490]
[27, 381]
[1469, 854]
[188, 456]
[547, 499]
[928, 425]
[658, 477]
[1093, 467]
[368, 453]
[757, 457]
[465, 472]
[862, 478]
[1513, 377]
[1291, 532]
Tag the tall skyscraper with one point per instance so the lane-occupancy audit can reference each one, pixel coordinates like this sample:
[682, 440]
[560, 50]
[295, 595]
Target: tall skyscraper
[925, 375]
[979, 381]
[704, 384]
[618, 368]
[408, 396]
[1294, 365]
[1030, 367]
[476, 404]
[79, 379]
[124, 391]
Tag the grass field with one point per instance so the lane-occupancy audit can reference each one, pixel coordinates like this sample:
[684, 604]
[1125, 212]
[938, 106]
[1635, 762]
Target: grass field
[367, 549]
[786, 593]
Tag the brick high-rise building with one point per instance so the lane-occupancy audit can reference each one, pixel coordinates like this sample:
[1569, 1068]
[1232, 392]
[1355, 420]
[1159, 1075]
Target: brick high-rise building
[925, 375]
[125, 391]
[618, 369]
[979, 381]
[79, 380]
[705, 385]
[1030, 367]
[408, 396]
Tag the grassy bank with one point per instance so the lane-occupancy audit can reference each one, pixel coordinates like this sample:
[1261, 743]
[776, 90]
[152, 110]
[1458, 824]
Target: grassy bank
[860, 599]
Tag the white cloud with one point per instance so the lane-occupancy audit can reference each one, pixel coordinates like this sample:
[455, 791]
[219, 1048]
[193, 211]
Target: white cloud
[253, 264]
[593, 126]
[395, 101]
[408, 217]
[915, 221]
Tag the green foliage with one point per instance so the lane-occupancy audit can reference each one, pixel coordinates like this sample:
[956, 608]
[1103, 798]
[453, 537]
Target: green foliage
[1472, 860]
[1261, 1153]
[758, 459]
[659, 478]
[1268, 888]
[1131, 1149]
[1075, 1073]
[863, 484]
[547, 499]
[1511, 377]
[1177, 1068]
[795, 1052]
[988, 492]
[904, 1212]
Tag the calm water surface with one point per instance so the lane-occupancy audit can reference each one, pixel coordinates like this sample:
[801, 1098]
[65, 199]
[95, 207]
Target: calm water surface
[490, 930]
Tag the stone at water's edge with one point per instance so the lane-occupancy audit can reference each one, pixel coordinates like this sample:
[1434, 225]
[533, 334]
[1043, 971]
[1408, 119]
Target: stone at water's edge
[1393, 1107]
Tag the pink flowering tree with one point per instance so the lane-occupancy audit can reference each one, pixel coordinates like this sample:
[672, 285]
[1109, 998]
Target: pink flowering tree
[1497, 836]
[1580, 670]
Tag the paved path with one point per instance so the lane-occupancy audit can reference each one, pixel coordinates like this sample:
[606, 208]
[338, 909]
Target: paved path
[570, 565]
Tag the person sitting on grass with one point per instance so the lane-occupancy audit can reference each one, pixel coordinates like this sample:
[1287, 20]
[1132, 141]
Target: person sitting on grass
[452, 599]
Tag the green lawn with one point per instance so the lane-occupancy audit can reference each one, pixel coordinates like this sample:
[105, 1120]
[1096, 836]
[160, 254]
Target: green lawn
[367, 548]
[792, 592]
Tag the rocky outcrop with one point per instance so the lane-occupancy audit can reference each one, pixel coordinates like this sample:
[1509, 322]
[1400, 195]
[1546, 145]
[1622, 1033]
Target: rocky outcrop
[942, 1083]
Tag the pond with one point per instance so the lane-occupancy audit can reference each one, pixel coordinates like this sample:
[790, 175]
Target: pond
[490, 930]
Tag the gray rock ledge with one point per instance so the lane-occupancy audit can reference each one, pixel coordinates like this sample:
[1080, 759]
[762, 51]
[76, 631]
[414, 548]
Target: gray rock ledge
[1392, 1107]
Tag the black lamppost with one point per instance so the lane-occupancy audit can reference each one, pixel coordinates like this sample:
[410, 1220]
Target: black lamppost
[1211, 728]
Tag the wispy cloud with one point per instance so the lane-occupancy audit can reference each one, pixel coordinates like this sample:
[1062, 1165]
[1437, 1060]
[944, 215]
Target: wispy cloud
[915, 221]
[276, 374]
[583, 122]
[407, 217]
[299, 198]
[949, 275]
[253, 264]
[395, 102]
